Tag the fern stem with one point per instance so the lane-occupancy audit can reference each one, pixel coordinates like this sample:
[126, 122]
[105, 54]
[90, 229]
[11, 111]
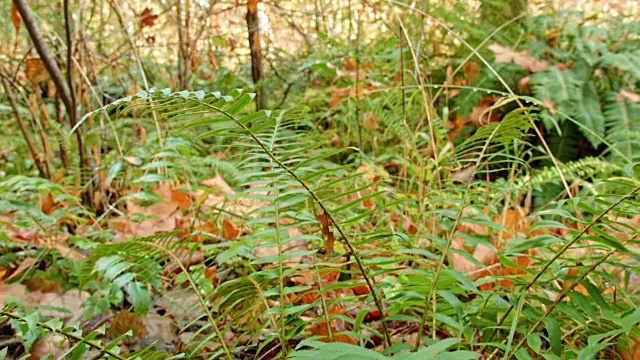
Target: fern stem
[560, 252]
[432, 290]
[203, 303]
[283, 330]
[352, 249]
[558, 299]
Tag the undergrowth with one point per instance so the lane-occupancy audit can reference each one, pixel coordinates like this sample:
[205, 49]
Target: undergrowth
[307, 232]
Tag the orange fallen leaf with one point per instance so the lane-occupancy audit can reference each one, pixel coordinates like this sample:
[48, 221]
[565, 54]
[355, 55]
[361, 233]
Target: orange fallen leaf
[15, 17]
[230, 230]
[324, 223]
[35, 70]
[147, 18]
[320, 328]
[409, 226]
[183, 200]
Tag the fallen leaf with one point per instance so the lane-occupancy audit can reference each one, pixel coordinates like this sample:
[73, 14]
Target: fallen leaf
[147, 18]
[290, 246]
[483, 113]
[50, 346]
[505, 55]
[626, 95]
[471, 70]
[409, 226]
[549, 105]
[335, 141]
[186, 257]
[15, 17]
[24, 265]
[182, 199]
[15, 291]
[211, 273]
[159, 329]
[35, 70]
[371, 121]
[218, 183]
[230, 230]
[324, 223]
[320, 328]
[71, 300]
[464, 174]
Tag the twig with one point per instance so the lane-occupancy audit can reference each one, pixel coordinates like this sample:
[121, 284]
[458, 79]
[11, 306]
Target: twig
[23, 128]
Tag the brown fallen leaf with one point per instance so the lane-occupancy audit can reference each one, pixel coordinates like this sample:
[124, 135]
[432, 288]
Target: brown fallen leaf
[15, 291]
[219, 184]
[505, 55]
[15, 18]
[627, 95]
[147, 18]
[483, 113]
[409, 226]
[320, 328]
[324, 223]
[464, 174]
[230, 230]
[24, 265]
[35, 70]
[370, 121]
[187, 258]
[629, 349]
[471, 70]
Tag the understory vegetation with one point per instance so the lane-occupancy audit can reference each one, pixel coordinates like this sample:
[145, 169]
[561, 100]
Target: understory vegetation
[376, 179]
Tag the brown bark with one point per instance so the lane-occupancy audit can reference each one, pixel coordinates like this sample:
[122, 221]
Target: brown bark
[253, 26]
[62, 87]
[37, 160]
[46, 56]
[184, 45]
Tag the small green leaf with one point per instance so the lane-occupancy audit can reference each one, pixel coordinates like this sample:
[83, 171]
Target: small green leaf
[534, 342]
[608, 240]
[151, 178]
[140, 298]
[430, 351]
[240, 103]
[630, 320]
[113, 172]
[133, 160]
[555, 335]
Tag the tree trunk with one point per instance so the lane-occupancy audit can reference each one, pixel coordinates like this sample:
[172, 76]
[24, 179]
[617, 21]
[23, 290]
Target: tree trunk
[253, 26]
[62, 87]
[184, 45]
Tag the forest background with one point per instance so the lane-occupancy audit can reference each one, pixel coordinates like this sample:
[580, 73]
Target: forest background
[343, 179]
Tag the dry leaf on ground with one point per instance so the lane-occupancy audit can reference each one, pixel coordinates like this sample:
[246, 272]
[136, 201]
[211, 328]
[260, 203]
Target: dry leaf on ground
[506, 55]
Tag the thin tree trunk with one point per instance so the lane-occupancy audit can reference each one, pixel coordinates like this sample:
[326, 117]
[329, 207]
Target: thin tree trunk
[45, 55]
[253, 26]
[183, 44]
[54, 71]
[37, 160]
[64, 157]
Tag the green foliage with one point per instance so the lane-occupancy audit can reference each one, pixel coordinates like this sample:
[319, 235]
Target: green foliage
[301, 183]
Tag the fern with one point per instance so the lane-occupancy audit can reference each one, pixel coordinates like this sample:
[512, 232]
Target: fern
[263, 140]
